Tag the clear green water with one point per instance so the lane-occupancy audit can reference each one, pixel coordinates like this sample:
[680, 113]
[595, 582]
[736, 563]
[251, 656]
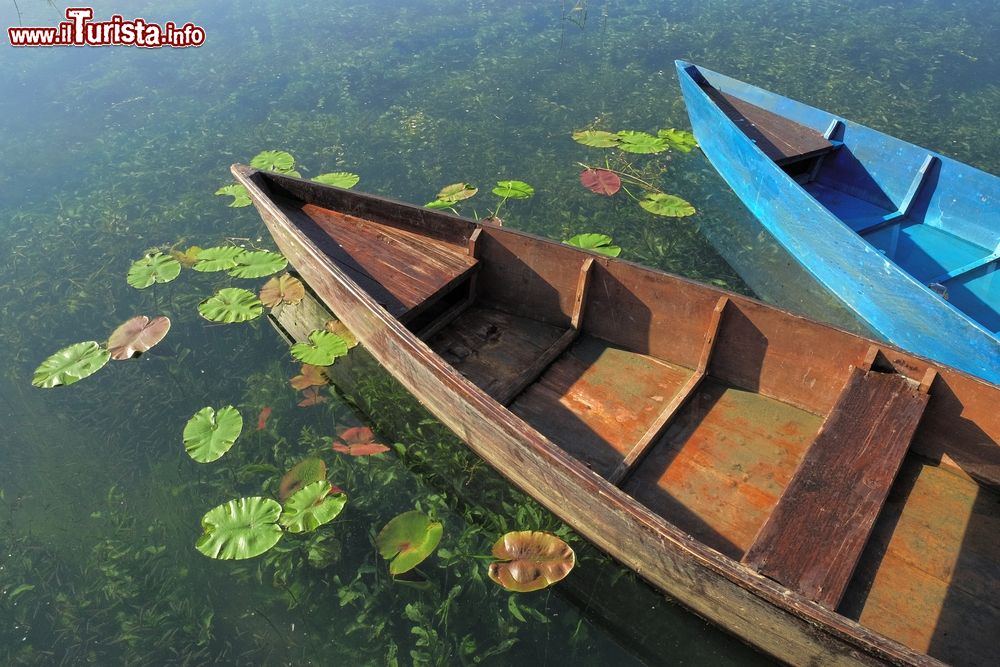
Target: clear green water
[111, 151]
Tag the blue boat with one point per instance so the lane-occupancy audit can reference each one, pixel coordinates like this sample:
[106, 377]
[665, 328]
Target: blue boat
[907, 238]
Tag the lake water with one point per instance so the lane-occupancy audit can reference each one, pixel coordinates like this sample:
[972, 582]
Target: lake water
[113, 151]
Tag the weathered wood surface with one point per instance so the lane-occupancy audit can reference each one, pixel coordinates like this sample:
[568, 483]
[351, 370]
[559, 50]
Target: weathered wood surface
[813, 539]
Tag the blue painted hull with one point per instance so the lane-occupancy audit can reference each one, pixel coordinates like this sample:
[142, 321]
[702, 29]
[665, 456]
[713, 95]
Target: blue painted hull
[885, 225]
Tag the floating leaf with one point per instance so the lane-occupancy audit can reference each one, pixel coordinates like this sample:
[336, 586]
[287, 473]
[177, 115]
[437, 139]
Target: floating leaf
[321, 350]
[407, 540]
[239, 194]
[187, 257]
[456, 192]
[338, 327]
[210, 434]
[231, 304]
[666, 205]
[257, 264]
[310, 376]
[219, 258]
[285, 288]
[136, 336]
[596, 138]
[241, 528]
[70, 365]
[601, 181]
[304, 472]
[680, 139]
[641, 142]
[153, 268]
[439, 204]
[340, 179]
[358, 441]
[265, 414]
[312, 397]
[513, 190]
[311, 506]
[530, 560]
[597, 242]
[279, 161]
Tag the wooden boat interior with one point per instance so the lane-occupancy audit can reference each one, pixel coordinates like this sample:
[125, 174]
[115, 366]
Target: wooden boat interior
[934, 217]
[860, 478]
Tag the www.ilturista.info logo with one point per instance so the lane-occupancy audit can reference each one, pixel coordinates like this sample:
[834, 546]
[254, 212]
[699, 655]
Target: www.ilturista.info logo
[79, 30]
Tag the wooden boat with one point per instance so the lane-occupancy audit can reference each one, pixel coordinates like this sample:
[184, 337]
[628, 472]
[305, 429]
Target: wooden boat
[830, 499]
[907, 238]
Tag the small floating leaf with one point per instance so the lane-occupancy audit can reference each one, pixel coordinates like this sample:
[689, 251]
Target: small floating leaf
[641, 142]
[596, 138]
[530, 560]
[187, 257]
[597, 242]
[70, 365]
[257, 264]
[239, 194]
[210, 434]
[231, 304]
[279, 161]
[439, 204]
[321, 350]
[219, 258]
[304, 472]
[282, 289]
[310, 376]
[407, 540]
[311, 506]
[456, 192]
[680, 139]
[311, 397]
[601, 181]
[338, 327]
[340, 179]
[241, 528]
[513, 190]
[137, 335]
[154, 268]
[358, 441]
[666, 205]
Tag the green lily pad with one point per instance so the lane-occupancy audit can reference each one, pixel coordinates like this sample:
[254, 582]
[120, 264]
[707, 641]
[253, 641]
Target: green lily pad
[641, 142]
[311, 506]
[407, 540]
[257, 264]
[670, 206]
[279, 161]
[597, 242]
[596, 138]
[304, 472]
[340, 179]
[153, 268]
[529, 560]
[241, 528]
[219, 258]
[456, 192]
[680, 139]
[439, 203]
[239, 194]
[70, 365]
[513, 190]
[321, 350]
[210, 434]
[231, 304]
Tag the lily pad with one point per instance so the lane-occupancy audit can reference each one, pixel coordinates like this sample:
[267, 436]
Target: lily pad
[321, 350]
[338, 327]
[282, 289]
[239, 194]
[304, 472]
[513, 190]
[257, 264]
[219, 258]
[358, 441]
[137, 335]
[407, 540]
[601, 181]
[641, 142]
[456, 192]
[340, 179]
[231, 304]
[680, 139]
[311, 506]
[153, 268]
[310, 376]
[596, 138]
[187, 257]
[241, 528]
[311, 396]
[530, 560]
[597, 242]
[210, 434]
[279, 161]
[670, 206]
[439, 204]
[70, 364]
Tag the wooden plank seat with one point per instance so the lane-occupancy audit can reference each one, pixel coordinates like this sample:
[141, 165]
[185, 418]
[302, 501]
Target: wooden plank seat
[815, 536]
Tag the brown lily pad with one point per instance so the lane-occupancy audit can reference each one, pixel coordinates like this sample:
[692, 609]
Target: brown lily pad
[601, 181]
[358, 441]
[530, 560]
[337, 327]
[282, 289]
[311, 396]
[311, 376]
[304, 472]
[137, 335]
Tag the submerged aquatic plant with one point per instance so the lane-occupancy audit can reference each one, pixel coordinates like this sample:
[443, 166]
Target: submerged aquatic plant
[210, 434]
[529, 560]
[71, 364]
[358, 441]
[310, 376]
